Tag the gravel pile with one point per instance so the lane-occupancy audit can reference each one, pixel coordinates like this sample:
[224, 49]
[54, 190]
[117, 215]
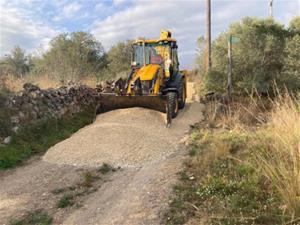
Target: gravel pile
[127, 138]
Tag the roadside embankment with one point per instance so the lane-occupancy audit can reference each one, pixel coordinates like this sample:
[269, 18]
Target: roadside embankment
[34, 119]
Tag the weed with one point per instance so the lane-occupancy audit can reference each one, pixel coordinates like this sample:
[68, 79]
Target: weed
[37, 217]
[66, 200]
[105, 168]
[88, 179]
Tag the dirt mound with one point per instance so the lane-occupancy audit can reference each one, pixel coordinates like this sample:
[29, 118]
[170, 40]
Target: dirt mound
[127, 138]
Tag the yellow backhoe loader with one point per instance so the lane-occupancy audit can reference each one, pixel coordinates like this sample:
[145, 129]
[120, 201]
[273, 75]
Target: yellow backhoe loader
[154, 82]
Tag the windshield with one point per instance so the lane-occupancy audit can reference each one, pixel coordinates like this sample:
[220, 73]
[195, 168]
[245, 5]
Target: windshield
[154, 54]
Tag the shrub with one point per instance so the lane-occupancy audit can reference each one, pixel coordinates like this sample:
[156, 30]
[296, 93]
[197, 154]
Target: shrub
[265, 53]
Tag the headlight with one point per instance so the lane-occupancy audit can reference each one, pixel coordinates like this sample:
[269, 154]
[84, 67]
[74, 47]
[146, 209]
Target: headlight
[133, 63]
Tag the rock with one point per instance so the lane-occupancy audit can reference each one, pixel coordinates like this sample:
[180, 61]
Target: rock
[30, 87]
[7, 140]
[15, 129]
[33, 104]
[15, 120]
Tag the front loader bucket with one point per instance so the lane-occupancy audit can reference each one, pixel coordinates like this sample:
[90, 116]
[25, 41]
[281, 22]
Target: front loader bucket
[111, 101]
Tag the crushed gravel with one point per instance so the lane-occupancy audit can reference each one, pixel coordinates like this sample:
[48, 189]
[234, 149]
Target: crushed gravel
[131, 137]
[127, 138]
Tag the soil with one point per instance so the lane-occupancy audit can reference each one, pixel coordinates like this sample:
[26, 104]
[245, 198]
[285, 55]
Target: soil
[135, 140]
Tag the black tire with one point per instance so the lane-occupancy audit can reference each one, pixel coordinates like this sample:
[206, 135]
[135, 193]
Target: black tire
[181, 93]
[172, 104]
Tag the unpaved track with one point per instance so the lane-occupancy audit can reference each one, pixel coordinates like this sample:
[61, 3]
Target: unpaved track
[135, 139]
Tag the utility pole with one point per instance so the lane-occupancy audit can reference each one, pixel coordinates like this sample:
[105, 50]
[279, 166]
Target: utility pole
[271, 8]
[229, 80]
[208, 36]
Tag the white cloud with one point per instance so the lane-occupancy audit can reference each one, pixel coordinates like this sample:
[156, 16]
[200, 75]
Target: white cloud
[17, 29]
[71, 9]
[120, 2]
[185, 19]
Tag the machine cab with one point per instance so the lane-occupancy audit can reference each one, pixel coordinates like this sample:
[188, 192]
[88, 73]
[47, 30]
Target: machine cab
[162, 51]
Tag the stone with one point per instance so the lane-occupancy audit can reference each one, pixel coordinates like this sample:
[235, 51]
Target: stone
[15, 119]
[7, 140]
[15, 129]
[30, 87]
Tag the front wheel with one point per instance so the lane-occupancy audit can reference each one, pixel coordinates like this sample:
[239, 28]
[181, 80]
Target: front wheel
[172, 104]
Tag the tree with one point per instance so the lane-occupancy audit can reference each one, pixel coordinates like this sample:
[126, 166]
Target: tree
[291, 70]
[294, 25]
[119, 58]
[258, 56]
[16, 62]
[73, 56]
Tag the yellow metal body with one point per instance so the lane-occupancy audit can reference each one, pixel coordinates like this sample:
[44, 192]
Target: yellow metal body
[148, 84]
[147, 73]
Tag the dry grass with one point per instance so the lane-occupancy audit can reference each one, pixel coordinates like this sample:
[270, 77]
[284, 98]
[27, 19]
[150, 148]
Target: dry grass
[276, 146]
[279, 157]
[244, 166]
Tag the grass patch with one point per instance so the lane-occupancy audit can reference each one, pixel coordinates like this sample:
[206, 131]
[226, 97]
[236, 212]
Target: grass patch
[245, 169]
[66, 200]
[39, 137]
[105, 168]
[38, 217]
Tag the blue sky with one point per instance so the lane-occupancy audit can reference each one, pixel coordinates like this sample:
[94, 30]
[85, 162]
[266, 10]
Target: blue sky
[31, 24]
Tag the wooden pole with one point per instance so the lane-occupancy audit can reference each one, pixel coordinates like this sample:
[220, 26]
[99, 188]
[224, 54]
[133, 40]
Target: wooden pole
[208, 36]
[229, 80]
[271, 8]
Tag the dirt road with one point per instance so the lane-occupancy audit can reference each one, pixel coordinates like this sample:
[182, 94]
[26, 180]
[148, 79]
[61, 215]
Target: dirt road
[134, 139]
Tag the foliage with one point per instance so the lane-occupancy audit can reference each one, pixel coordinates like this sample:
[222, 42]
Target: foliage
[119, 59]
[39, 137]
[65, 201]
[291, 71]
[37, 217]
[261, 56]
[16, 63]
[105, 168]
[73, 56]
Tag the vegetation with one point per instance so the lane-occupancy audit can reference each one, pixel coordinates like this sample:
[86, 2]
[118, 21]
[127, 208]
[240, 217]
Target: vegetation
[37, 217]
[240, 172]
[105, 168]
[39, 137]
[65, 201]
[76, 56]
[265, 52]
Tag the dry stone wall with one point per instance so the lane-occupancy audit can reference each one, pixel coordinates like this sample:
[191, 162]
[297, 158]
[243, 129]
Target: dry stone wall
[33, 104]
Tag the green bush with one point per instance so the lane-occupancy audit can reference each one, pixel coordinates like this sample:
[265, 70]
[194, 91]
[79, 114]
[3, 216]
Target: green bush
[265, 53]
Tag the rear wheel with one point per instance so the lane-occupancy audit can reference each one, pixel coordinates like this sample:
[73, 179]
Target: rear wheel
[182, 97]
